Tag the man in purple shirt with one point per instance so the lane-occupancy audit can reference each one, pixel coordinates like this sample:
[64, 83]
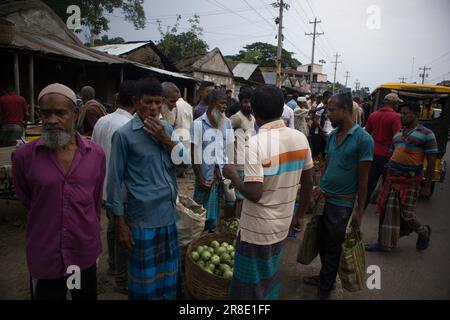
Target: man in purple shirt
[203, 91]
[59, 179]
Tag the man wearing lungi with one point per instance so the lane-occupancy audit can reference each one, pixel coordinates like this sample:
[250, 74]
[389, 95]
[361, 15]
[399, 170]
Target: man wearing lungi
[212, 146]
[278, 160]
[349, 155]
[397, 201]
[141, 161]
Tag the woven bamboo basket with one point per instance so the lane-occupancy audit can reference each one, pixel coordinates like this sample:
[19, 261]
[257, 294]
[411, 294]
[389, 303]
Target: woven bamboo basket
[200, 284]
[7, 31]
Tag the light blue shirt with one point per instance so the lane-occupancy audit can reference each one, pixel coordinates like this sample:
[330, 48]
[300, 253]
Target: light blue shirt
[341, 174]
[212, 146]
[148, 173]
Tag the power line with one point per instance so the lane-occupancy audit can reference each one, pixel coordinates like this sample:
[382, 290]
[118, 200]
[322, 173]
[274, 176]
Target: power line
[183, 28]
[206, 13]
[438, 58]
[217, 3]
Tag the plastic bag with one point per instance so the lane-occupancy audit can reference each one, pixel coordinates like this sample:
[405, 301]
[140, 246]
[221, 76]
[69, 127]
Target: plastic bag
[191, 223]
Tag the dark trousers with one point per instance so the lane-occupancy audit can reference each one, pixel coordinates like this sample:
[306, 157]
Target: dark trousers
[56, 289]
[331, 230]
[117, 254]
[318, 144]
[377, 169]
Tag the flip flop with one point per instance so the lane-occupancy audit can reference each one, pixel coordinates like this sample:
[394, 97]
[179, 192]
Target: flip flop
[423, 242]
[292, 234]
[373, 247]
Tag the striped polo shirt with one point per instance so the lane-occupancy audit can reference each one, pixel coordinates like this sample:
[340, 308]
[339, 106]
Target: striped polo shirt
[276, 157]
[409, 149]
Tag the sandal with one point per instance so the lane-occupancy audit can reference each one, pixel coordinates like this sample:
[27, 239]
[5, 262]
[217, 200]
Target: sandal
[373, 247]
[423, 242]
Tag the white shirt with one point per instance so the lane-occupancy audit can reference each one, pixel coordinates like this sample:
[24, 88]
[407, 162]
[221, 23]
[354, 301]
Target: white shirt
[243, 130]
[288, 117]
[103, 132]
[184, 117]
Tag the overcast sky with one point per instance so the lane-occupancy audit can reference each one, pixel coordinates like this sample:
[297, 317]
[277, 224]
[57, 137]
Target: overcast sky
[408, 29]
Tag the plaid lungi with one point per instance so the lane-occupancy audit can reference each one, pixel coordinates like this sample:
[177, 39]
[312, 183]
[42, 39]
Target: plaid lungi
[212, 200]
[154, 270]
[256, 271]
[396, 205]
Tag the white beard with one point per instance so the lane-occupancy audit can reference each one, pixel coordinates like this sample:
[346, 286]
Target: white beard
[218, 117]
[56, 139]
[168, 115]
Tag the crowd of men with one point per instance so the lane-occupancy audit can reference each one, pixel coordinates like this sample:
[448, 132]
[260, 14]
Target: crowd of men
[264, 143]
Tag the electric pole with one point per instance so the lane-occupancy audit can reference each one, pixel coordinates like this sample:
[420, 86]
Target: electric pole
[280, 4]
[346, 77]
[424, 74]
[335, 68]
[314, 34]
[357, 84]
[402, 79]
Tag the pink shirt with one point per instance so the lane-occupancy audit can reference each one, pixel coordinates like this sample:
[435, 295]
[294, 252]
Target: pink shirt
[63, 210]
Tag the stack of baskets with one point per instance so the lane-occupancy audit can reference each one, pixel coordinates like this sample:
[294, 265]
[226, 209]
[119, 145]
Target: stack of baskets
[200, 284]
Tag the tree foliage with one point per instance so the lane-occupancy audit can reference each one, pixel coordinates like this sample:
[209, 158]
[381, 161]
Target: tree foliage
[265, 55]
[175, 45]
[94, 14]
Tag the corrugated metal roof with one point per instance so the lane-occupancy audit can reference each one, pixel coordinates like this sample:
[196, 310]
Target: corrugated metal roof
[119, 49]
[162, 71]
[270, 77]
[47, 45]
[244, 70]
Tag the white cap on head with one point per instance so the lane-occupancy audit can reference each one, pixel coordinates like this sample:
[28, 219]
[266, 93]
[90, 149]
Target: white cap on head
[59, 89]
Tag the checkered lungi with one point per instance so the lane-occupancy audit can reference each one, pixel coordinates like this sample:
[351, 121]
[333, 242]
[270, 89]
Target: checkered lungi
[256, 271]
[154, 270]
[396, 205]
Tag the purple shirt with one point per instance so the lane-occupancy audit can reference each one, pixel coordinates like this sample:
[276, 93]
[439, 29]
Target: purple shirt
[63, 210]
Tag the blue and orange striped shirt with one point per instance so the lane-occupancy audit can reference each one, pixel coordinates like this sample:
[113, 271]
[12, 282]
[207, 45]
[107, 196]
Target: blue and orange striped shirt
[410, 148]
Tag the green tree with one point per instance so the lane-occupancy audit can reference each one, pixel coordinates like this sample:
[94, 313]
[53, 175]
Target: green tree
[265, 55]
[94, 13]
[176, 46]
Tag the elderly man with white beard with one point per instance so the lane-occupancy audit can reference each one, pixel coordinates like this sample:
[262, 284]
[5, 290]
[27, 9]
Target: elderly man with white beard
[212, 146]
[59, 179]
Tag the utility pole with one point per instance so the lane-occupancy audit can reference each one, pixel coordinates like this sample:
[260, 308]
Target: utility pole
[335, 68]
[402, 79]
[346, 77]
[314, 34]
[424, 74]
[357, 84]
[280, 4]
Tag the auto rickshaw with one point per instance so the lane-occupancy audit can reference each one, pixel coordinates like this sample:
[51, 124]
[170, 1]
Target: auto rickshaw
[435, 115]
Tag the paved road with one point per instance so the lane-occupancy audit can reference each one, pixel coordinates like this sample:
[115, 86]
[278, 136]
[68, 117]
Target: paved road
[408, 273]
[405, 273]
